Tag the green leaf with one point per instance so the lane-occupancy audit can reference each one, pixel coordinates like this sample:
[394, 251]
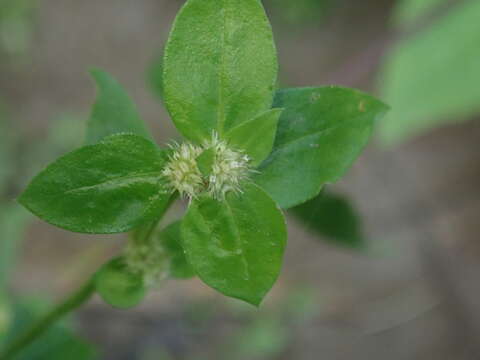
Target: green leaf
[171, 239]
[114, 111]
[236, 245]
[206, 160]
[256, 137]
[220, 66]
[429, 85]
[332, 217]
[118, 286]
[408, 12]
[155, 75]
[105, 188]
[320, 134]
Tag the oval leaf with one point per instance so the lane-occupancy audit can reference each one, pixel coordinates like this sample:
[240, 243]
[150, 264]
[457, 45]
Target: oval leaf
[118, 286]
[320, 134]
[428, 91]
[114, 111]
[220, 66]
[256, 137]
[236, 245]
[171, 239]
[105, 188]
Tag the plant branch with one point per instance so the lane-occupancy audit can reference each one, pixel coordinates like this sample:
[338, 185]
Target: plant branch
[74, 301]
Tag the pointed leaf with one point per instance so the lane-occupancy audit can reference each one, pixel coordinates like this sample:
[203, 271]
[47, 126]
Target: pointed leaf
[114, 111]
[109, 187]
[236, 245]
[332, 217]
[320, 134]
[220, 66]
[256, 137]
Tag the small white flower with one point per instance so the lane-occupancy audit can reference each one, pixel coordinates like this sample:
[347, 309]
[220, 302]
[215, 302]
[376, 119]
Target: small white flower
[229, 169]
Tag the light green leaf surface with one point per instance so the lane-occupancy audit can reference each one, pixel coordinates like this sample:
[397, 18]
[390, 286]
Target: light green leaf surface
[333, 218]
[236, 245]
[171, 238]
[320, 134]
[113, 112]
[408, 12]
[432, 78]
[118, 286]
[109, 187]
[220, 66]
[256, 137]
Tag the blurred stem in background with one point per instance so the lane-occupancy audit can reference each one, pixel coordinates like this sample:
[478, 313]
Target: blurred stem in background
[77, 299]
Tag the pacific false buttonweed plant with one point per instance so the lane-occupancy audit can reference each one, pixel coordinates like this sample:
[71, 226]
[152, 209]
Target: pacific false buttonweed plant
[249, 151]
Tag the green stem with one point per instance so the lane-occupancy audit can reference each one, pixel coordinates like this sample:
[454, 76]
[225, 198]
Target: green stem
[74, 301]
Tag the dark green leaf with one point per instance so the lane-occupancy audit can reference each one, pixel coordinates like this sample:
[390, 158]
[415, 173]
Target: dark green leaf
[155, 75]
[320, 134]
[256, 136]
[220, 66]
[332, 217]
[431, 78]
[171, 239]
[118, 286]
[114, 111]
[109, 187]
[236, 245]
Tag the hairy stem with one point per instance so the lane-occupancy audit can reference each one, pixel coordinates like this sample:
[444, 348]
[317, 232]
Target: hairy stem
[74, 301]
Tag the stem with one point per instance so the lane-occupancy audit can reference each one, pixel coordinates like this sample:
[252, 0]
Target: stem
[74, 301]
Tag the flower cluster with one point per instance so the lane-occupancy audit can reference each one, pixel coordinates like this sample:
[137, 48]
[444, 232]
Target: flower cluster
[228, 170]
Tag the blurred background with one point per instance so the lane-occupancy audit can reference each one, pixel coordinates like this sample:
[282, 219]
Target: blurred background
[383, 265]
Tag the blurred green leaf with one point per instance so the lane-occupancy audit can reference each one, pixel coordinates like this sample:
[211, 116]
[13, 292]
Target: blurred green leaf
[299, 12]
[58, 343]
[109, 187]
[332, 217]
[118, 286]
[13, 221]
[220, 66]
[320, 134]
[16, 25]
[264, 338]
[236, 245]
[408, 12]
[432, 78]
[114, 111]
[155, 75]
